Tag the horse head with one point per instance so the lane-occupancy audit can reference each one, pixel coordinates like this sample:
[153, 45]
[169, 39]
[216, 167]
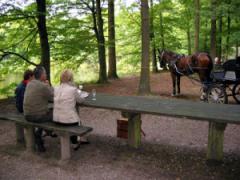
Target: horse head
[161, 58]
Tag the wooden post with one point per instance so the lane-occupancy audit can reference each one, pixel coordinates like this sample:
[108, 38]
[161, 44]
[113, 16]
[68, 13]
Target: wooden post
[215, 141]
[65, 146]
[30, 139]
[19, 134]
[134, 129]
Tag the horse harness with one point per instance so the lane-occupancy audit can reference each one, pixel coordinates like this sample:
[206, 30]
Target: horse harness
[186, 71]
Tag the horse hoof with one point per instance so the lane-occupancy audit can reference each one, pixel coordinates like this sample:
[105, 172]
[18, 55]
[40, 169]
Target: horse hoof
[204, 99]
[173, 95]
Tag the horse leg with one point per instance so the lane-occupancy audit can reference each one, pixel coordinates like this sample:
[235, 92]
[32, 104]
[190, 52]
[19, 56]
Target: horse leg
[178, 84]
[173, 83]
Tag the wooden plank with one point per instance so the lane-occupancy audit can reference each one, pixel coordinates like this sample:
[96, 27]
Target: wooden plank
[215, 141]
[19, 134]
[220, 113]
[78, 130]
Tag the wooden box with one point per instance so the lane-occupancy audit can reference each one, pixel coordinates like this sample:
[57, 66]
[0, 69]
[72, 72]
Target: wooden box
[122, 128]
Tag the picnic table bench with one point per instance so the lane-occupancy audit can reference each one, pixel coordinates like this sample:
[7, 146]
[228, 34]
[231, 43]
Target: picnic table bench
[63, 131]
[218, 116]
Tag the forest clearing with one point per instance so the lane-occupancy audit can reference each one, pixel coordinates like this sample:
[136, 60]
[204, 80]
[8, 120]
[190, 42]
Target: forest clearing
[71, 71]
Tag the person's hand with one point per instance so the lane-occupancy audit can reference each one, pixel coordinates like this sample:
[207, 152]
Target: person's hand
[47, 82]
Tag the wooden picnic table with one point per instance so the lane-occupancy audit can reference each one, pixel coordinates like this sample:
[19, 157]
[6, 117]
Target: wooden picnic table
[218, 116]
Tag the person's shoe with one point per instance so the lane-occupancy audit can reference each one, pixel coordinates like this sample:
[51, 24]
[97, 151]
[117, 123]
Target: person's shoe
[76, 146]
[40, 147]
[53, 135]
[84, 142]
[49, 133]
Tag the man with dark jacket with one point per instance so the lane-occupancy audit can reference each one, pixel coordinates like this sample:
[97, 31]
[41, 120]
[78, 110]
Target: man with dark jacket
[19, 95]
[20, 90]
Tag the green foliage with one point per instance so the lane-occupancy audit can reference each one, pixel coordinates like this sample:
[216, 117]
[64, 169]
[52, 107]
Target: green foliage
[8, 90]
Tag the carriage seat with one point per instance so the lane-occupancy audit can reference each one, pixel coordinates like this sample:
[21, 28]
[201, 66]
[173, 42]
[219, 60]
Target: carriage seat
[224, 76]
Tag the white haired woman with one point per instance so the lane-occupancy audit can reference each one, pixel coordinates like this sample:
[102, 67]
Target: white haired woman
[66, 96]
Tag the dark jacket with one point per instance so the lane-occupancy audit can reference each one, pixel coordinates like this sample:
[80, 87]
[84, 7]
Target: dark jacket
[19, 92]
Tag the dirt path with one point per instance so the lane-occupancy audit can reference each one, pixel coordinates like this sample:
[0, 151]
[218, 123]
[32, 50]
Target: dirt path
[160, 86]
[173, 148]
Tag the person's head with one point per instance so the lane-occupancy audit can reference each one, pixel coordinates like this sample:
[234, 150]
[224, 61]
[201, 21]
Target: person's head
[66, 76]
[40, 73]
[28, 75]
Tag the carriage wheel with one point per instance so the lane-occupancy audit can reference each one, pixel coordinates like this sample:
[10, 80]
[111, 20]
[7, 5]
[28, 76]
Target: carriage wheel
[217, 94]
[236, 92]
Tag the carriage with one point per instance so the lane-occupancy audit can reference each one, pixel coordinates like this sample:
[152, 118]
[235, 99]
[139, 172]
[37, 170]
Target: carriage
[217, 86]
[225, 82]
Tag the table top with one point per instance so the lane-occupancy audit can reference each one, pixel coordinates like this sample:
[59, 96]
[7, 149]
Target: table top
[222, 113]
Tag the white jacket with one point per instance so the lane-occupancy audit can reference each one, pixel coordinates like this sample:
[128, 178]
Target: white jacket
[65, 98]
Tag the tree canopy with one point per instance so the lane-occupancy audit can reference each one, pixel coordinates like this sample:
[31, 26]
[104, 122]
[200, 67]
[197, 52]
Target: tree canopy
[74, 41]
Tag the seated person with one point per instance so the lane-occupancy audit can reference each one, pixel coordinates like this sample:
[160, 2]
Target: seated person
[35, 105]
[66, 97]
[20, 90]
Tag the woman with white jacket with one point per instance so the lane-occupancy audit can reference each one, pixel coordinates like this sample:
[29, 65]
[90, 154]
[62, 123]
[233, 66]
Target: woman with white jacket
[66, 97]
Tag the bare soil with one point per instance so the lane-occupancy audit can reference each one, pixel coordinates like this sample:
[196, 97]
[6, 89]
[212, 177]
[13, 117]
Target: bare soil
[173, 149]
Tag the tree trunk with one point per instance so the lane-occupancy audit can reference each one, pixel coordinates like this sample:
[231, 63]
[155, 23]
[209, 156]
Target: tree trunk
[154, 59]
[162, 32]
[237, 41]
[237, 44]
[228, 34]
[219, 47]
[144, 86]
[189, 40]
[101, 45]
[152, 36]
[205, 43]
[42, 29]
[197, 25]
[213, 29]
[112, 70]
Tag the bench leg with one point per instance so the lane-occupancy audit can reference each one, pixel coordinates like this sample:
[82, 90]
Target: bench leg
[65, 146]
[19, 134]
[134, 129]
[30, 139]
[215, 141]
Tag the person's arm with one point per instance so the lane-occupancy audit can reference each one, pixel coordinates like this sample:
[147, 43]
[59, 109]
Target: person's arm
[48, 92]
[79, 99]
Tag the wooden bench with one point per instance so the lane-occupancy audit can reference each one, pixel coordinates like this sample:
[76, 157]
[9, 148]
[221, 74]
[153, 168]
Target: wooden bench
[218, 116]
[63, 131]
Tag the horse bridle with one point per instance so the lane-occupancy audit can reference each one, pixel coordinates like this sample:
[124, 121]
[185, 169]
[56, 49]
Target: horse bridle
[161, 56]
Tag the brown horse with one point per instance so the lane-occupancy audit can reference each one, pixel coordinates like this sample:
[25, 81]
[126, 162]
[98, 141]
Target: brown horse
[181, 65]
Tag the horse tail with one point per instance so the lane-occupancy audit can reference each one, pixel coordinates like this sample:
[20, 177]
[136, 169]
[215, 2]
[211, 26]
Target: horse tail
[210, 67]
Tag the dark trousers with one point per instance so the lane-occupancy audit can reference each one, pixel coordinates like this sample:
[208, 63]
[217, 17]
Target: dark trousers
[73, 138]
[39, 119]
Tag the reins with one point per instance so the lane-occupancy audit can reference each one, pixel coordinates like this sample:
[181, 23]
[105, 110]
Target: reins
[192, 79]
